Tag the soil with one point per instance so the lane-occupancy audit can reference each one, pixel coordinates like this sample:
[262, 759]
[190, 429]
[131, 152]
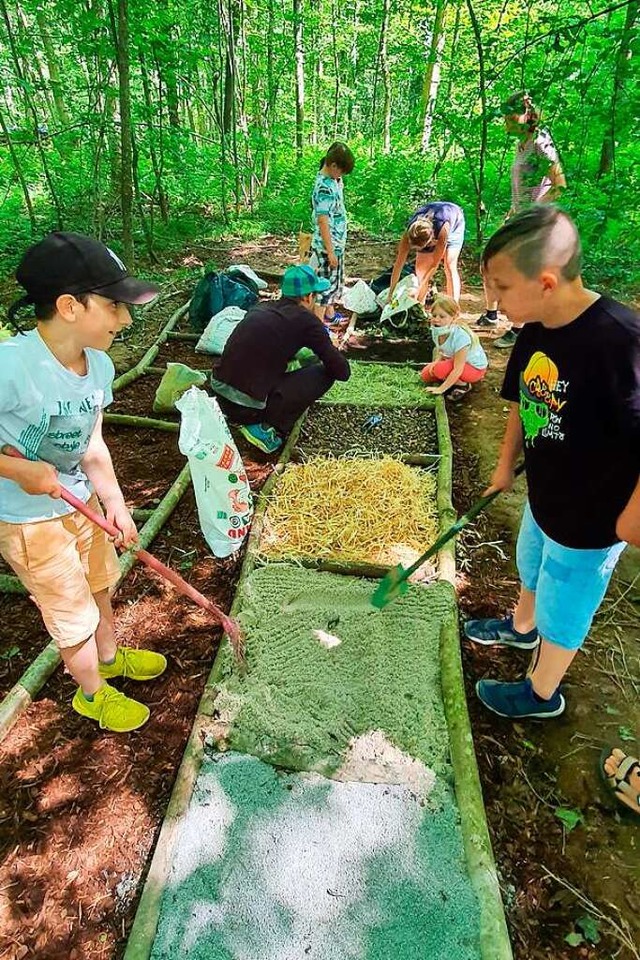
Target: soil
[400, 432]
[80, 809]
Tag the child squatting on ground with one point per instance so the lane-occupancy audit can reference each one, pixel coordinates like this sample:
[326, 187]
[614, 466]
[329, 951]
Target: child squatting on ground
[330, 225]
[573, 383]
[460, 360]
[55, 381]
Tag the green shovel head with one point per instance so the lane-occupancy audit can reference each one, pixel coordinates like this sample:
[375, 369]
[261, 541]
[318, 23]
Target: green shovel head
[390, 588]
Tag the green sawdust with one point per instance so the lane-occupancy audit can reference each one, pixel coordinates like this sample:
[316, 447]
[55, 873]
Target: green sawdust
[272, 865]
[362, 510]
[300, 704]
[384, 386]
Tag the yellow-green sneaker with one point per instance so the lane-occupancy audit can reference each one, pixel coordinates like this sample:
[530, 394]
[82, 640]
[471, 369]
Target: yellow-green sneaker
[134, 664]
[112, 709]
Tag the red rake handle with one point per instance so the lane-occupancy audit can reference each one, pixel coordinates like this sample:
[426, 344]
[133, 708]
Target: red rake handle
[147, 558]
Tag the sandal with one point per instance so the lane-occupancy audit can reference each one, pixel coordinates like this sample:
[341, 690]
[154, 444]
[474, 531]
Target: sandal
[619, 783]
[457, 393]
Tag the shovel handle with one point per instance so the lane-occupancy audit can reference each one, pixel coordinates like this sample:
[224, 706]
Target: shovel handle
[147, 558]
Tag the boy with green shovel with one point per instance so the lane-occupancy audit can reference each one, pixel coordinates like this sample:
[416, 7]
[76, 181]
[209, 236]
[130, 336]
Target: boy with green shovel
[573, 383]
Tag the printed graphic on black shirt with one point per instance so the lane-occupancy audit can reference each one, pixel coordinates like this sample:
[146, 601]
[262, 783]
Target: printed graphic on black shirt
[543, 397]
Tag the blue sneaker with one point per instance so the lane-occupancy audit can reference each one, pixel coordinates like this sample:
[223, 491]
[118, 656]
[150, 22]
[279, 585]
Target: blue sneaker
[264, 438]
[518, 701]
[501, 632]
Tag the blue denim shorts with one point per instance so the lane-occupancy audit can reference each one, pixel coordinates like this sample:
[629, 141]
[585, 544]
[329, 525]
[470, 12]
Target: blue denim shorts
[569, 584]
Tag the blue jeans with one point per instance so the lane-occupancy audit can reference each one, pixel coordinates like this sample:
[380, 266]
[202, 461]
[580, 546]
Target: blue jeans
[569, 584]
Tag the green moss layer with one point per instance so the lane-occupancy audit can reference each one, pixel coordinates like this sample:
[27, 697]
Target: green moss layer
[299, 704]
[272, 865]
[373, 383]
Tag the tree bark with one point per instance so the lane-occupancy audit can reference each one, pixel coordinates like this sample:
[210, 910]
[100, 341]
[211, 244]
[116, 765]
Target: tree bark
[608, 150]
[482, 84]
[298, 43]
[432, 73]
[54, 73]
[386, 79]
[18, 169]
[126, 140]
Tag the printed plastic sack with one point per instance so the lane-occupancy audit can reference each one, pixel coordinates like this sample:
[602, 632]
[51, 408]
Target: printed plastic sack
[403, 305]
[218, 330]
[360, 298]
[213, 293]
[245, 270]
[178, 378]
[223, 497]
[382, 282]
[406, 286]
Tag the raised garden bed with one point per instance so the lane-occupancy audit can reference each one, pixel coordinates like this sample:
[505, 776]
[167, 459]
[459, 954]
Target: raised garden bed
[340, 430]
[387, 386]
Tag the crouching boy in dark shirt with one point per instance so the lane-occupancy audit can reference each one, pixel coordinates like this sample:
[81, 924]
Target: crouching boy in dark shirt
[573, 382]
[252, 385]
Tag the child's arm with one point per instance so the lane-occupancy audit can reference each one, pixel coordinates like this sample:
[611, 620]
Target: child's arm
[401, 258]
[325, 233]
[512, 444]
[35, 477]
[459, 360]
[98, 467]
[628, 524]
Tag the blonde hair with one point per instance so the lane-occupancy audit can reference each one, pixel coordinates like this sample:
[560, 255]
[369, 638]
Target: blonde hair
[447, 305]
[421, 232]
[451, 307]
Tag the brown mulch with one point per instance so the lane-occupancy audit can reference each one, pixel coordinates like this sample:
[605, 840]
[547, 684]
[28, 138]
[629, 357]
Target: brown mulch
[520, 793]
[80, 808]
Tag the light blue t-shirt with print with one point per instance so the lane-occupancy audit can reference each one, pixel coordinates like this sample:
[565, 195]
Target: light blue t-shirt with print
[457, 338]
[48, 413]
[328, 199]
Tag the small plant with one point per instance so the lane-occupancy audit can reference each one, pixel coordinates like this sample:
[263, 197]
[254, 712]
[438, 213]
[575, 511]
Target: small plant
[587, 931]
[569, 819]
[10, 653]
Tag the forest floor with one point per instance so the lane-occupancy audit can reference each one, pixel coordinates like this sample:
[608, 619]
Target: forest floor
[80, 810]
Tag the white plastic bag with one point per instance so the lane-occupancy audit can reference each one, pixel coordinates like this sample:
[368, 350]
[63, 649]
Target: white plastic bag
[360, 298]
[407, 286]
[219, 329]
[225, 503]
[248, 272]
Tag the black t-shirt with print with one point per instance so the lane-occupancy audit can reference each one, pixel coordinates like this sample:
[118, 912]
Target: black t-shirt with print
[578, 387]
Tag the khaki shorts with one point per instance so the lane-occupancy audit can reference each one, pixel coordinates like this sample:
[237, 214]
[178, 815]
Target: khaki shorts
[62, 563]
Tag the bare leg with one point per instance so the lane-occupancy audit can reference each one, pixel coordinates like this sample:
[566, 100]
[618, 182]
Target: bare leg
[320, 309]
[105, 639]
[524, 615]
[452, 273]
[82, 663]
[548, 666]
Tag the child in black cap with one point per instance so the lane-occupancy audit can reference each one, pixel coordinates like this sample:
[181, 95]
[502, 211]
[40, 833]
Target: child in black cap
[55, 381]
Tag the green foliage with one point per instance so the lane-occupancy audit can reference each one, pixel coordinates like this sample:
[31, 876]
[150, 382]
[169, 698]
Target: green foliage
[569, 819]
[213, 118]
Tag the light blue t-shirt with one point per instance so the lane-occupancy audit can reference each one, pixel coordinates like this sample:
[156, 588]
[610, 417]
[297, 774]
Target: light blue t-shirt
[48, 413]
[328, 199]
[457, 339]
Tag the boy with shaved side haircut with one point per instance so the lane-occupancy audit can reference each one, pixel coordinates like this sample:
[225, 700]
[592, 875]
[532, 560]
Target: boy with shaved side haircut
[573, 382]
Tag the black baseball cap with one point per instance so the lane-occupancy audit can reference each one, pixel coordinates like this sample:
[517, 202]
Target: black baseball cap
[74, 263]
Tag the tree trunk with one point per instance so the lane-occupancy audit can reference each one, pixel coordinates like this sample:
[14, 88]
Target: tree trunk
[432, 73]
[157, 168]
[54, 73]
[482, 84]
[336, 67]
[298, 42]
[607, 152]
[126, 141]
[18, 169]
[386, 79]
[32, 110]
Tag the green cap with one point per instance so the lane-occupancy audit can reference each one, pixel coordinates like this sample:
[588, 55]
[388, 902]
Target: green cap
[299, 281]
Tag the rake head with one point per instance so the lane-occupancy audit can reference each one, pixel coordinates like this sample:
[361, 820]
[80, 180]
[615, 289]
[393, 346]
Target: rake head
[391, 587]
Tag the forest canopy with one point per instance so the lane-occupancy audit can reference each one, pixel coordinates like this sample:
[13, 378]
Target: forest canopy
[148, 124]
